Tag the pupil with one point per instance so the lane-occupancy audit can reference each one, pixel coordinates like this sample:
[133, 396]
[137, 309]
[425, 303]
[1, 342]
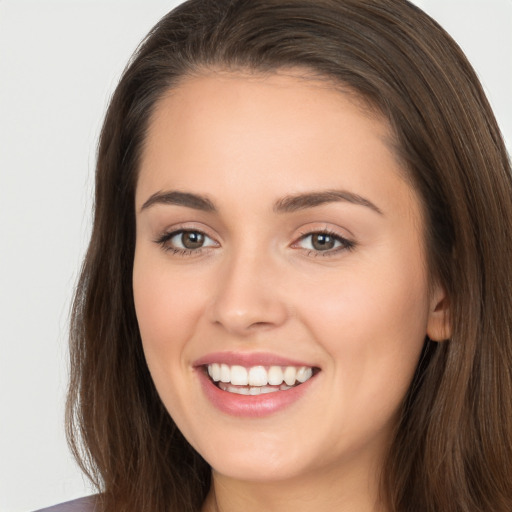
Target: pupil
[322, 242]
[192, 240]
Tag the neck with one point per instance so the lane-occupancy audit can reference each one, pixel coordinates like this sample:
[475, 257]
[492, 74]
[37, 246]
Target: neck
[322, 490]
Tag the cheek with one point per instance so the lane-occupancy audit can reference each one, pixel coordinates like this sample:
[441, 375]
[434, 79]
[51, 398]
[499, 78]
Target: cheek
[388, 303]
[373, 326]
[167, 306]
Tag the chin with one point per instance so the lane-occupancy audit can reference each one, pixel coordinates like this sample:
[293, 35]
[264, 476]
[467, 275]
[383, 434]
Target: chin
[259, 459]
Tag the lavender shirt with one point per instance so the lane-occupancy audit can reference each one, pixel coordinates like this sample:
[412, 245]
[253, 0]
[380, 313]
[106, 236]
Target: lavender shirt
[80, 505]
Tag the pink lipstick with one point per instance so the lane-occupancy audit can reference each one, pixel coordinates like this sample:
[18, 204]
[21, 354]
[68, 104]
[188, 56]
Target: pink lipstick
[253, 384]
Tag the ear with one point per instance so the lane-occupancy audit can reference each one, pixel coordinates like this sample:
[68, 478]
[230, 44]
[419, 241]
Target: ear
[439, 323]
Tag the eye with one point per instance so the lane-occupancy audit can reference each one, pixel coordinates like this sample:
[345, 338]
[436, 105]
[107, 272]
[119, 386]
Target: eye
[324, 241]
[185, 241]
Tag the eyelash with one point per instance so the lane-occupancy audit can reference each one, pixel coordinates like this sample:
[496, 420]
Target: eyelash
[165, 238]
[345, 244]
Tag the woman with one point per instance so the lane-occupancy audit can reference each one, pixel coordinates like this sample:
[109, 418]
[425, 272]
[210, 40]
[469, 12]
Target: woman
[297, 290]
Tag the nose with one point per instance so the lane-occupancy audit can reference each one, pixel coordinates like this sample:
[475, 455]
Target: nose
[249, 295]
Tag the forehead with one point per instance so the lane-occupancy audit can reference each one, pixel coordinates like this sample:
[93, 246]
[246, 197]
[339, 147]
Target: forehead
[225, 131]
[214, 95]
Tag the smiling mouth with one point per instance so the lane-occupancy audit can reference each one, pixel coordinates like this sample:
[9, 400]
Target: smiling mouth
[258, 380]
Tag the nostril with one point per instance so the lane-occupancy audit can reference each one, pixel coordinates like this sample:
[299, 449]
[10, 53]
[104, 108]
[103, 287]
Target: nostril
[247, 300]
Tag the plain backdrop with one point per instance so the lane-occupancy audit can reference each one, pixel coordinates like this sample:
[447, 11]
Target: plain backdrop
[59, 63]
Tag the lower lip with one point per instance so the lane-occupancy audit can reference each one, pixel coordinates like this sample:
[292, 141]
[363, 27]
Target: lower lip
[252, 406]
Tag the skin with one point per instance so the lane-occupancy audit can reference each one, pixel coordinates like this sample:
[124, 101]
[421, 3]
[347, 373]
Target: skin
[358, 313]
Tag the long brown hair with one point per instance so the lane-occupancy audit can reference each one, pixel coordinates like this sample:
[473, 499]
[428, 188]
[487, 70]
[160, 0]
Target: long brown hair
[453, 445]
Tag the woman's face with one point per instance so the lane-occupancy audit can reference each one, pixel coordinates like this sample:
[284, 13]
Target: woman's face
[278, 242]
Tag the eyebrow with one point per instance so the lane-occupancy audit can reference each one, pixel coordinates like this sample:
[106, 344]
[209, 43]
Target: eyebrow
[287, 204]
[293, 203]
[180, 199]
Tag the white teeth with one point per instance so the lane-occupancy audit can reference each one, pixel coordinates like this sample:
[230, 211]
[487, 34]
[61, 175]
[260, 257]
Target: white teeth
[258, 379]
[232, 389]
[239, 376]
[225, 373]
[214, 371]
[258, 376]
[275, 375]
[245, 390]
[304, 373]
[289, 375]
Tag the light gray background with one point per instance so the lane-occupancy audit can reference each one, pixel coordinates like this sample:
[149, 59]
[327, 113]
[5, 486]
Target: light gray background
[59, 63]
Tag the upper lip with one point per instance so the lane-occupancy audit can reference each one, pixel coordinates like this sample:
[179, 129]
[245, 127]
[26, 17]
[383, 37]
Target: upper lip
[249, 359]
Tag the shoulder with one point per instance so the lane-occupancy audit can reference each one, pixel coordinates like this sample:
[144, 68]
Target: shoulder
[86, 504]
